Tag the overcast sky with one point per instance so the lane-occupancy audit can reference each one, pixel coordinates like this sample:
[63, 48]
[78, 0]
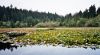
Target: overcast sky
[61, 7]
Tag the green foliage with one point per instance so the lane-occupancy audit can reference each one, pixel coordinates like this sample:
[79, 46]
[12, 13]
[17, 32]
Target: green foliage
[92, 11]
[81, 22]
[98, 11]
[13, 17]
[63, 36]
[48, 24]
[86, 14]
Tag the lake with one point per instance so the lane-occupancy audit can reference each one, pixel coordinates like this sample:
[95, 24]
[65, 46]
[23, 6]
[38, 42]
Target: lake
[48, 50]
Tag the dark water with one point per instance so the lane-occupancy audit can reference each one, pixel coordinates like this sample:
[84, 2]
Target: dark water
[48, 50]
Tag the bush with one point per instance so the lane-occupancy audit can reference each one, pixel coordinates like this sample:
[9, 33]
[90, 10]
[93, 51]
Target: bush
[48, 24]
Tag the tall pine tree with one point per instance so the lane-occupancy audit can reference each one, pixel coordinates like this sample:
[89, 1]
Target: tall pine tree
[92, 11]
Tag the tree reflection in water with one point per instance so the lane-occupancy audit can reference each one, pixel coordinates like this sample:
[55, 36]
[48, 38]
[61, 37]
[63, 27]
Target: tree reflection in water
[4, 46]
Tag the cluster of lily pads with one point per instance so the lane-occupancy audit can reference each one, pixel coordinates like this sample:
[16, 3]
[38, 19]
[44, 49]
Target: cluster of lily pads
[61, 36]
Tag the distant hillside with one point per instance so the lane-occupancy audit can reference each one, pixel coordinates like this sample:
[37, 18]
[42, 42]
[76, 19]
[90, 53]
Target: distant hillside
[13, 17]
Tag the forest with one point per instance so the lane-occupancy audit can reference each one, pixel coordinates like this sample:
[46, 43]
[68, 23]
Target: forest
[12, 17]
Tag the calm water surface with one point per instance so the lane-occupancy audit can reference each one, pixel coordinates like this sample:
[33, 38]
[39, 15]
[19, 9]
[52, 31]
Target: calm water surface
[48, 50]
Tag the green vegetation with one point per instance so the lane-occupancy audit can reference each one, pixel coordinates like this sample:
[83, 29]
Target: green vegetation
[12, 17]
[2, 38]
[69, 36]
[48, 24]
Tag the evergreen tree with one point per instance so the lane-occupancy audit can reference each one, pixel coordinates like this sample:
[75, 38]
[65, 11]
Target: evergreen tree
[68, 15]
[86, 14]
[92, 11]
[13, 17]
[80, 13]
[98, 11]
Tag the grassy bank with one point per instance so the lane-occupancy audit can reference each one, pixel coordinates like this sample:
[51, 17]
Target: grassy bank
[66, 36]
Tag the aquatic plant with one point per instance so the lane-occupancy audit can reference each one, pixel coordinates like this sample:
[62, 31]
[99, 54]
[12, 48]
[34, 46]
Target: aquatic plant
[62, 36]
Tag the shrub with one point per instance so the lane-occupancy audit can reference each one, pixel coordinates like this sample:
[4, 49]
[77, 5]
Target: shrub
[48, 24]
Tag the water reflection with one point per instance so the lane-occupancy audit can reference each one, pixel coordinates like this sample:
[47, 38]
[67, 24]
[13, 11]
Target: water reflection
[7, 49]
[4, 46]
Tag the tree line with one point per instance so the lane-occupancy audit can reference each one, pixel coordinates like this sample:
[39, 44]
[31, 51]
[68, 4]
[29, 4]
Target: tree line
[13, 17]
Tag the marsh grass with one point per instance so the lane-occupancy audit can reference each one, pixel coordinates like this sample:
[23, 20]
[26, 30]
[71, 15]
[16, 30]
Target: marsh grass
[62, 36]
